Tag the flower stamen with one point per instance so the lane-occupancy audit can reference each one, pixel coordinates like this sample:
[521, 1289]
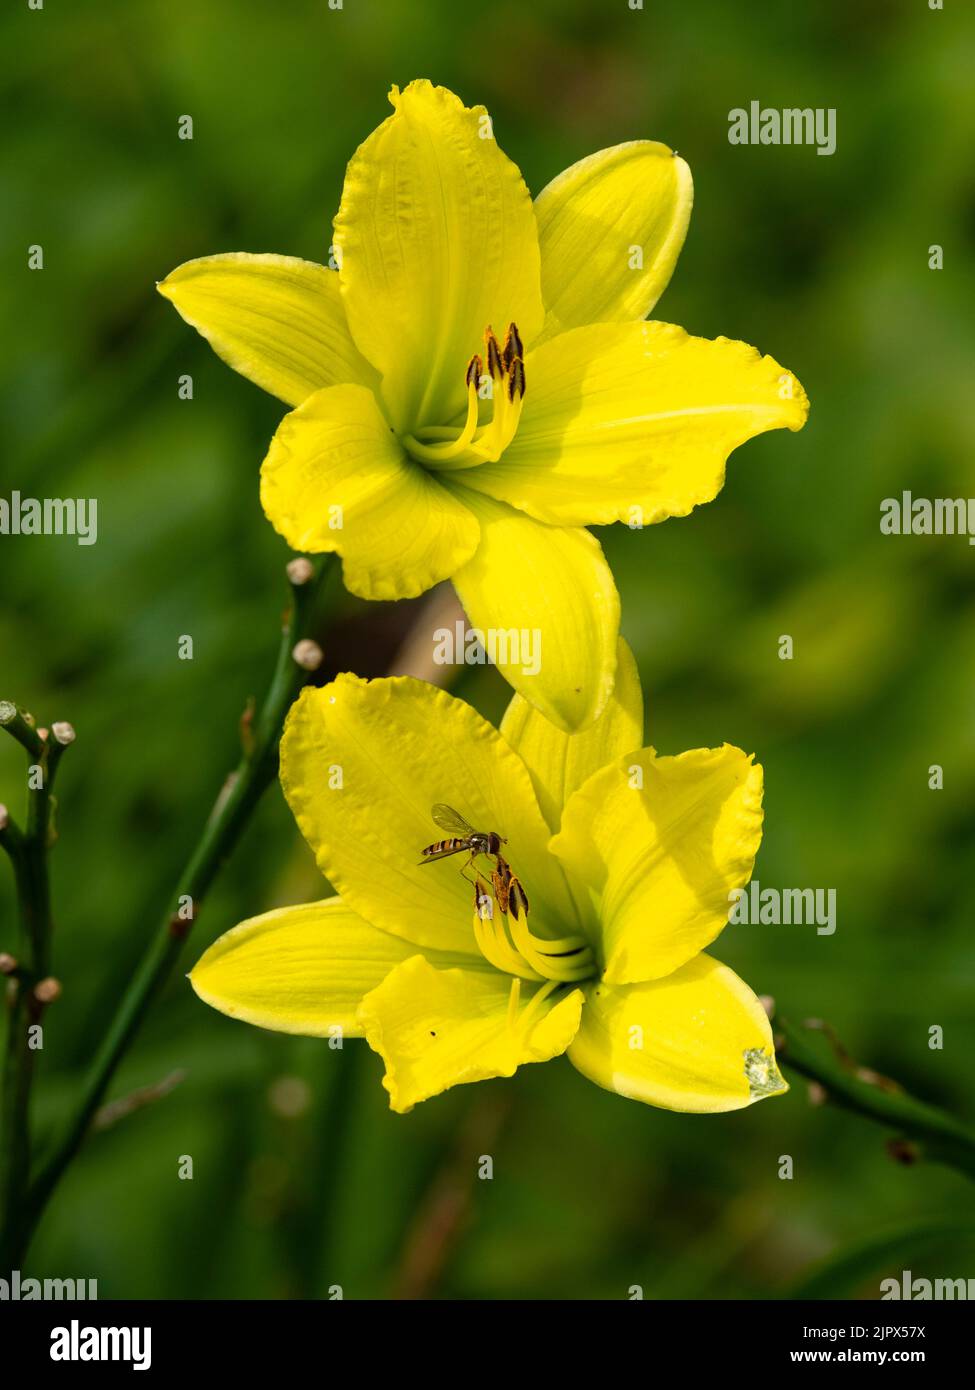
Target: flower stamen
[442, 447]
[492, 940]
[506, 942]
[568, 959]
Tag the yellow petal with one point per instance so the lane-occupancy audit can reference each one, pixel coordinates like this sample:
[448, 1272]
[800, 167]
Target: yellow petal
[610, 229]
[301, 969]
[660, 843]
[277, 320]
[698, 1040]
[634, 422]
[437, 239]
[561, 762]
[547, 594]
[362, 765]
[335, 478]
[440, 1028]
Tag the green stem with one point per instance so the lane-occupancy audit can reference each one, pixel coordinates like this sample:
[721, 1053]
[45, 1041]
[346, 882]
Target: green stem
[938, 1136]
[21, 727]
[230, 815]
[15, 1110]
[28, 852]
[333, 1140]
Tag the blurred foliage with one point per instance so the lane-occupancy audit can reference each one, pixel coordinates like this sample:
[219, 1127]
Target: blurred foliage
[822, 262]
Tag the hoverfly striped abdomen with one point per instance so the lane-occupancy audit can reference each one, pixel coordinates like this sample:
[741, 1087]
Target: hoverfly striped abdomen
[442, 848]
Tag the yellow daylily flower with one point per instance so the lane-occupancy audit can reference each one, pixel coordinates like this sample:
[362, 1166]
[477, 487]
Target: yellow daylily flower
[626, 858]
[422, 447]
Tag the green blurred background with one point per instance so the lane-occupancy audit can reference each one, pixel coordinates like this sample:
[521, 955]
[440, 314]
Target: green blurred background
[302, 1177]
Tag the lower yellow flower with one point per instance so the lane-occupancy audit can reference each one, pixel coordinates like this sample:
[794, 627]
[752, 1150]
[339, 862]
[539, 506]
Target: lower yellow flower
[626, 859]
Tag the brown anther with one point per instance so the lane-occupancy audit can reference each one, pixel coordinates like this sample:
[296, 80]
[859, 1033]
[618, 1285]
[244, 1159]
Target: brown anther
[474, 368]
[482, 895]
[517, 899]
[47, 990]
[516, 379]
[494, 364]
[512, 345]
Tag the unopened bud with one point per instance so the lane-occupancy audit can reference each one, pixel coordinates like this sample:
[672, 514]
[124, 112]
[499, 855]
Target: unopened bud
[300, 570]
[4, 817]
[308, 654]
[46, 991]
[63, 732]
[8, 963]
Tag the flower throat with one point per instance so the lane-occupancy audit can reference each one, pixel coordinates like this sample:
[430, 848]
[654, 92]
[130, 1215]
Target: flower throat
[439, 446]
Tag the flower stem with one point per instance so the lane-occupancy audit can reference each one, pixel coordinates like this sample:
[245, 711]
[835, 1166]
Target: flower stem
[230, 815]
[935, 1135]
[28, 851]
[21, 727]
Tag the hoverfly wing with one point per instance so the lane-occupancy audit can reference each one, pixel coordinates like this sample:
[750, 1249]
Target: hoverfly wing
[450, 820]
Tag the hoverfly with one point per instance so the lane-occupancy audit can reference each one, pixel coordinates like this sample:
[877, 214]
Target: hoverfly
[508, 891]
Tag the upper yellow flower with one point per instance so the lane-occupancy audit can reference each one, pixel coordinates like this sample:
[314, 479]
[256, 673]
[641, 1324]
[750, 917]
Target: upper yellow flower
[424, 447]
[627, 860]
